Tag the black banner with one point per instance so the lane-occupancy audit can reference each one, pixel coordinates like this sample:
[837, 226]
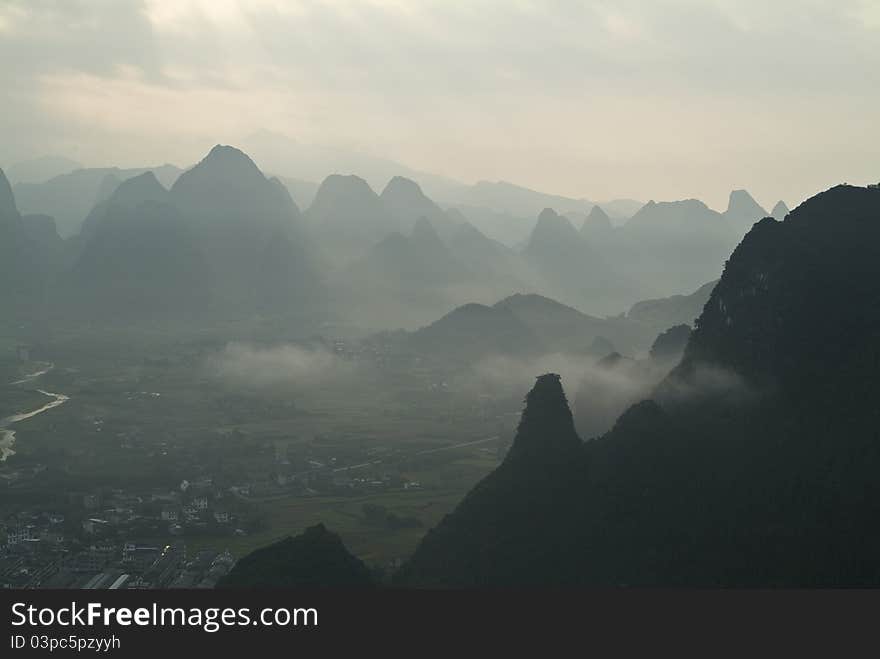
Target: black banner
[414, 622]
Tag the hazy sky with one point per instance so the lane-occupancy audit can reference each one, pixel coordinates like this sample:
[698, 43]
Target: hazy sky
[659, 99]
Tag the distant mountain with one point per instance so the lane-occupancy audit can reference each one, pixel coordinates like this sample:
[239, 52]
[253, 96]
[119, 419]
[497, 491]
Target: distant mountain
[40, 170]
[402, 280]
[405, 202]
[674, 246]
[348, 217]
[743, 211]
[70, 197]
[780, 210]
[597, 228]
[227, 183]
[29, 254]
[497, 270]
[475, 331]
[510, 230]
[225, 240]
[517, 200]
[754, 463]
[669, 345]
[251, 233]
[315, 558]
[288, 157]
[139, 260]
[621, 209]
[564, 329]
[575, 271]
[663, 313]
[556, 247]
[597, 220]
[561, 328]
[127, 195]
[8, 208]
[302, 191]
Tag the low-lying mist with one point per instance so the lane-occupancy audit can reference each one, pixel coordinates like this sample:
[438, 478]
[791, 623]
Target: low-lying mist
[284, 366]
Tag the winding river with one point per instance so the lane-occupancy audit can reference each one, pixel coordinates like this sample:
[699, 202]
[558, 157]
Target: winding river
[7, 435]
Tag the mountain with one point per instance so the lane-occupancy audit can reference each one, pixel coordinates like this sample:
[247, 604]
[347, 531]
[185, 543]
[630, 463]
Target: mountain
[405, 202]
[657, 315]
[555, 246]
[140, 260]
[402, 280]
[251, 234]
[669, 345]
[506, 516]
[742, 210]
[621, 209]
[510, 230]
[226, 184]
[497, 270]
[474, 331]
[561, 328]
[597, 220]
[70, 197]
[597, 228]
[39, 170]
[780, 210]
[575, 271]
[303, 192]
[315, 558]
[348, 218]
[674, 246]
[127, 194]
[29, 256]
[517, 200]
[225, 240]
[8, 209]
[288, 157]
[752, 464]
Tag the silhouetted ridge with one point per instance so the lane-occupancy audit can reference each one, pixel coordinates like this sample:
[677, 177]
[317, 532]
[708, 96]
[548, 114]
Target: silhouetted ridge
[755, 462]
[546, 428]
[796, 296]
[315, 558]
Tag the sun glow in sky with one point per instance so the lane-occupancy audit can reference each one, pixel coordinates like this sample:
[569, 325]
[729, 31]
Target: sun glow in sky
[661, 99]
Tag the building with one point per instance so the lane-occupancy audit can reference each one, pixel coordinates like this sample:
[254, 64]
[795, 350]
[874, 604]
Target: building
[20, 534]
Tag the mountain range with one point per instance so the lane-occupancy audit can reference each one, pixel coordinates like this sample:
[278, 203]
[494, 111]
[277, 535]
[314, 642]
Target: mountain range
[752, 463]
[395, 259]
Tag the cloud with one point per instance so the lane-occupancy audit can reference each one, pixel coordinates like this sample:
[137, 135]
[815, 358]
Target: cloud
[287, 366]
[591, 99]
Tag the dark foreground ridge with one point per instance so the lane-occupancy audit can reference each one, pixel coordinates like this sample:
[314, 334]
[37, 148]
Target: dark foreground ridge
[766, 478]
[316, 557]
